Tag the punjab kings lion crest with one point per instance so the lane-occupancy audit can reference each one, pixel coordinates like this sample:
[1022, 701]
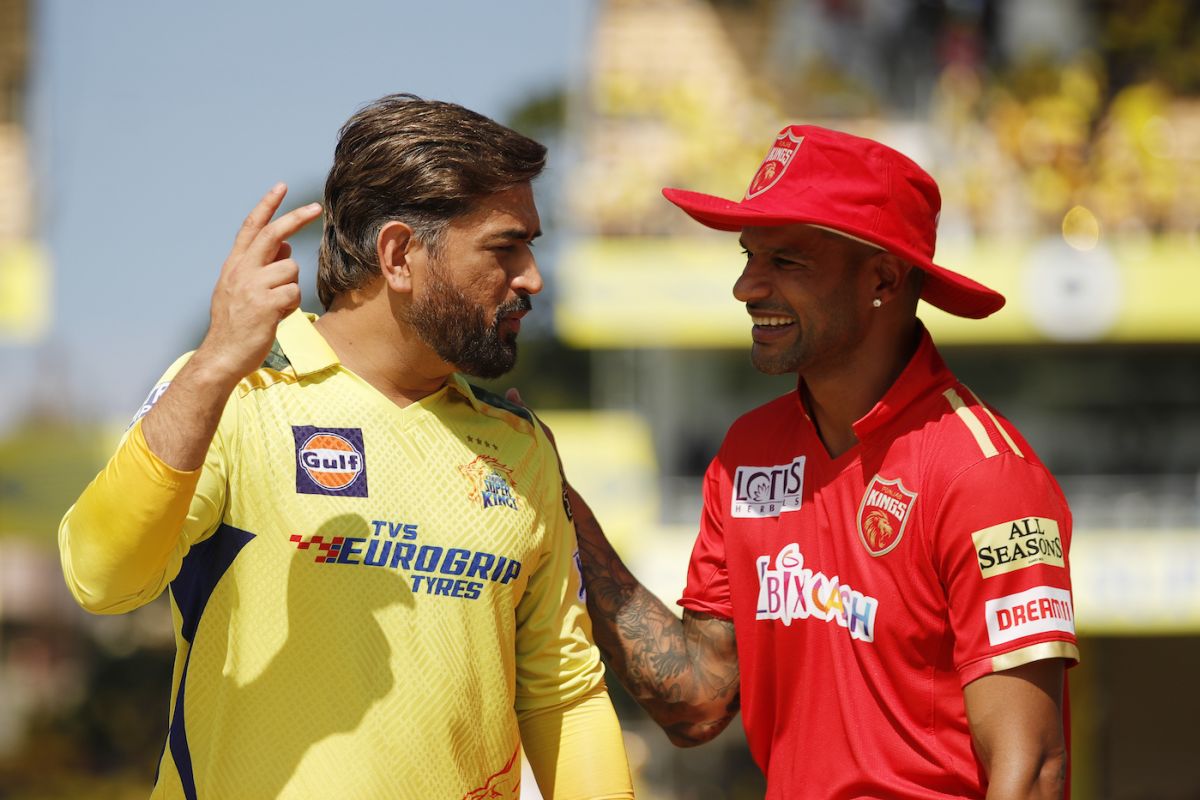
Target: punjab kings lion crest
[775, 164]
[883, 514]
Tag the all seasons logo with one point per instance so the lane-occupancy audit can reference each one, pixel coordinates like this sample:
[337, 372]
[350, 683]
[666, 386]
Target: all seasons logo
[1017, 544]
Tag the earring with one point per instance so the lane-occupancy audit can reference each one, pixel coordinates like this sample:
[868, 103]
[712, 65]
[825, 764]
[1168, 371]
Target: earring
[876, 303]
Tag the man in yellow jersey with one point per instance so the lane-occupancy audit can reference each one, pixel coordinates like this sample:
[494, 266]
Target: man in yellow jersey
[371, 563]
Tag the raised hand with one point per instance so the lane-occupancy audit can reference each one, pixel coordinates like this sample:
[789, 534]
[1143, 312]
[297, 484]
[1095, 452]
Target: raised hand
[257, 288]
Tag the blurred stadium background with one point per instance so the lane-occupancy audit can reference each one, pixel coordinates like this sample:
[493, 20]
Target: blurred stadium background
[1065, 135]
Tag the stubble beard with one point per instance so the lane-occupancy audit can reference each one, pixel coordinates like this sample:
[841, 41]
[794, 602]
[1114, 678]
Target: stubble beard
[815, 347]
[458, 331]
[792, 360]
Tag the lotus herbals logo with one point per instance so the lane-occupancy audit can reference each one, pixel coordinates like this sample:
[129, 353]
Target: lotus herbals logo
[330, 461]
[767, 491]
[491, 482]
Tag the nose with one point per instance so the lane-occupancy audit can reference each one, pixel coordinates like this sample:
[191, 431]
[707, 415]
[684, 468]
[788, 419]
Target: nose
[528, 278]
[751, 285]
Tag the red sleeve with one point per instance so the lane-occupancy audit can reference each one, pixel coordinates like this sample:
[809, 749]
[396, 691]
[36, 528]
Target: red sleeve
[707, 587]
[1001, 536]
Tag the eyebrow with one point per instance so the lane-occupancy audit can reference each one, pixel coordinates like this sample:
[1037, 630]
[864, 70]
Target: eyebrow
[518, 234]
[790, 252]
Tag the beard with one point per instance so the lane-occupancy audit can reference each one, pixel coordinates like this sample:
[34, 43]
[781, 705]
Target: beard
[791, 361]
[825, 338]
[458, 331]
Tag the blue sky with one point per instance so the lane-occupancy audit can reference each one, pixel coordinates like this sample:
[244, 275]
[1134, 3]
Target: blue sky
[156, 125]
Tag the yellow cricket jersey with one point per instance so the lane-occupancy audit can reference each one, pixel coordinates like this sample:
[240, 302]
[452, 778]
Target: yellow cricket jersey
[368, 600]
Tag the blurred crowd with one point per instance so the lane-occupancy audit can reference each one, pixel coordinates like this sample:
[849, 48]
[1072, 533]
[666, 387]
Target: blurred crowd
[1023, 118]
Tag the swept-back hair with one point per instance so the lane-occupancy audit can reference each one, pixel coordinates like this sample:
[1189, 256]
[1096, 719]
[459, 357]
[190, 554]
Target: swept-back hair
[422, 162]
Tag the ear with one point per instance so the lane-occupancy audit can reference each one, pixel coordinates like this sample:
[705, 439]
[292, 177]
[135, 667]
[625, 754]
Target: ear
[395, 249]
[890, 275]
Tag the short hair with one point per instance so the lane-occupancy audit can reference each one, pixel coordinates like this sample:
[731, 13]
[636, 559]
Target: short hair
[422, 162]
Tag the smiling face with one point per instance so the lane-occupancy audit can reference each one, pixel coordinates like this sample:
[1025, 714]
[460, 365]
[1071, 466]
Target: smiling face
[808, 295]
[470, 293]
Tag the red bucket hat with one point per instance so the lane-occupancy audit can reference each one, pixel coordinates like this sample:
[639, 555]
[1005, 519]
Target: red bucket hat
[853, 186]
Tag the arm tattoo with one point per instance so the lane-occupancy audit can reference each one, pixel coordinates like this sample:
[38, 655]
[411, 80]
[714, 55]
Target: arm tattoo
[685, 674]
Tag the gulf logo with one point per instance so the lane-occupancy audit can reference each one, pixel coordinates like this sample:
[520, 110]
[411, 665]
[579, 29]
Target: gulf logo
[331, 461]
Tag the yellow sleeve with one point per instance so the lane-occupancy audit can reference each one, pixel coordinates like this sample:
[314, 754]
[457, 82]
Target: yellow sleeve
[557, 661]
[125, 538]
[576, 751]
[568, 727]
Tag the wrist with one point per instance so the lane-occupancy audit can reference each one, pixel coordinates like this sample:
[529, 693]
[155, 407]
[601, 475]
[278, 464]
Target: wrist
[207, 371]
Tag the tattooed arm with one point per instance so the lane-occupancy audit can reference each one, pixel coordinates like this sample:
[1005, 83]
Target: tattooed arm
[685, 674]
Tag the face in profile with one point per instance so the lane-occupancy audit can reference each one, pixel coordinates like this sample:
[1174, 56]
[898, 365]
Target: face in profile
[478, 283]
[807, 296]
[476, 287]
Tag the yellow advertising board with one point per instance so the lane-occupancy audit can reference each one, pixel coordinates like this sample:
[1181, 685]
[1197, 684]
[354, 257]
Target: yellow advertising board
[609, 458]
[24, 292]
[676, 292]
[1135, 582]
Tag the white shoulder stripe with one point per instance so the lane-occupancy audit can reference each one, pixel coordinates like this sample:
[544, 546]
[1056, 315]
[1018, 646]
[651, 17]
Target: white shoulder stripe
[995, 422]
[972, 422]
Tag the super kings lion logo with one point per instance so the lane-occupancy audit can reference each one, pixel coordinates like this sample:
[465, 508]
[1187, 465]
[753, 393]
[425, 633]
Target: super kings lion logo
[491, 482]
[883, 515]
[775, 164]
[503, 785]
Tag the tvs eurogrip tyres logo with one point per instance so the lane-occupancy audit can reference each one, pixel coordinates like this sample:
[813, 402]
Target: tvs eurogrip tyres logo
[330, 461]
[883, 514]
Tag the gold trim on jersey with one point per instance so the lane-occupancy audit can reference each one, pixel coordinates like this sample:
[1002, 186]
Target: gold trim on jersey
[261, 378]
[1035, 652]
[972, 422]
[995, 422]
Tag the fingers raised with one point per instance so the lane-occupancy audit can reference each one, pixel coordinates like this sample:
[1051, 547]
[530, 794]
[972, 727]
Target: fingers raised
[257, 219]
[267, 241]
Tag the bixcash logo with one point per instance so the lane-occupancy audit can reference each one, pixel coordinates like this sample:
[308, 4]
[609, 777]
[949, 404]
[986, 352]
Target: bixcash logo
[788, 590]
[1018, 544]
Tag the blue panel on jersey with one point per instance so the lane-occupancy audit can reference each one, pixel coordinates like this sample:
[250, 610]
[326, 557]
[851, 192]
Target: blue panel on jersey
[203, 567]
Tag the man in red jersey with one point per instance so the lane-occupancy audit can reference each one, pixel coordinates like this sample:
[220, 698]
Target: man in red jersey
[881, 580]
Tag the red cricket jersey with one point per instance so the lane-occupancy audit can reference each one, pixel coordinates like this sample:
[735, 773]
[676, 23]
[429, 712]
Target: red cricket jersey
[867, 590]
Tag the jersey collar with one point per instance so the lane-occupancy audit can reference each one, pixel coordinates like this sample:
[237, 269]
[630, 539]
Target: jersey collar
[306, 349]
[457, 382]
[925, 370]
[309, 353]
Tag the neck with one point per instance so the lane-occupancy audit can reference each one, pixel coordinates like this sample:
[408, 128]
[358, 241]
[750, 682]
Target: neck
[362, 329]
[843, 393]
